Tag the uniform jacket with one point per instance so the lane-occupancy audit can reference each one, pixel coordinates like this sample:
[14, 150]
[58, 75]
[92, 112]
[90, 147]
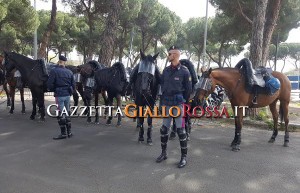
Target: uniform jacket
[176, 85]
[61, 81]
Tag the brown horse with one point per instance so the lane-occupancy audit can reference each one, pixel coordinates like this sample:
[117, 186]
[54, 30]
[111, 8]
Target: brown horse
[11, 81]
[234, 83]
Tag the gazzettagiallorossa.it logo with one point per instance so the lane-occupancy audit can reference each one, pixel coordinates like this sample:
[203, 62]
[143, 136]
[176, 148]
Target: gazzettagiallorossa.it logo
[134, 111]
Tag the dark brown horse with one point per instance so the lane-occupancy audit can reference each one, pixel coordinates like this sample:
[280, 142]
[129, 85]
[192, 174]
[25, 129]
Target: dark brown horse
[233, 81]
[11, 81]
[86, 90]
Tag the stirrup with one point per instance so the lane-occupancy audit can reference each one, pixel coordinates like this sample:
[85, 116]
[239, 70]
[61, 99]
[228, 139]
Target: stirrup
[254, 101]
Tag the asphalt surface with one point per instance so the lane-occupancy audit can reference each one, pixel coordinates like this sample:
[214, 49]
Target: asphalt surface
[106, 159]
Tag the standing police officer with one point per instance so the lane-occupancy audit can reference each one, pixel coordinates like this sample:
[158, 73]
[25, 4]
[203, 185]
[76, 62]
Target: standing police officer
[176, 88]
[62, 83]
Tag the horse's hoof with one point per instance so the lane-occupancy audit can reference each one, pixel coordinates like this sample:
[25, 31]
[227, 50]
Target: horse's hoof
[236, 148]
[32, 117]
[88, 120]
[118, 124]
[286, 144]
[108, 122]
[97, 123]
[232, 144]
[41, 120]
[271, 140]
[149, 142]
[140, 140]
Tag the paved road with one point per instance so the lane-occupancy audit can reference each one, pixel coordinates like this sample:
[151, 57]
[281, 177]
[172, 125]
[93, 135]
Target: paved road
[105, 159]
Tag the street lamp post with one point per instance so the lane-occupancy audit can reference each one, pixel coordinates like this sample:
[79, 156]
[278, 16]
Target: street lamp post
[35, 38]
[205, 34]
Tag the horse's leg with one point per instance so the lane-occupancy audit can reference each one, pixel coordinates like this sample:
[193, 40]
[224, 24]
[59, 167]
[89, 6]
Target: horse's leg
[12, 96]
[275, 121]
[41, 104]
[105, 102]
[7, 94]
[285, 115]
[34, 102]
[22, 99]
[110, 103]
[235, 144]
[105, 97]
[80, 90]
[87, 102]
[140, 126]
[96, 105]
[119, 105]
[75, 98]
[150, 126]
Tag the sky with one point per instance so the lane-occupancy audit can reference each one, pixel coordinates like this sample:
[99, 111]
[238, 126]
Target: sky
[185, 9]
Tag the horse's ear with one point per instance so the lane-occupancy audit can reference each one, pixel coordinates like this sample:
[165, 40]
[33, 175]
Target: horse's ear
[203, 69]
[209, 71]
[155, 56]
[142, 54]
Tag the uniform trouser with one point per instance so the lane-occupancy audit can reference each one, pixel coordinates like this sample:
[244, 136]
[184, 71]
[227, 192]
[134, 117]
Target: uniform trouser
[164, 131]
[64, 120]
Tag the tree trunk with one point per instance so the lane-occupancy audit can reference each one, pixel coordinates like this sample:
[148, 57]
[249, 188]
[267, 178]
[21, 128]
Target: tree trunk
[47, 33]
[109, 36]
[258, 32]
[272, 14]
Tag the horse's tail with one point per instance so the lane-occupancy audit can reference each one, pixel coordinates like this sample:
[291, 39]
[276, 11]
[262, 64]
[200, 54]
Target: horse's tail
[281, 113]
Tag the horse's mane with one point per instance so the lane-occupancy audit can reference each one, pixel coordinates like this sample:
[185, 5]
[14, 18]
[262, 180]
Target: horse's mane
[96, 65]
[121, 68]
[20, 56]
[191, 68]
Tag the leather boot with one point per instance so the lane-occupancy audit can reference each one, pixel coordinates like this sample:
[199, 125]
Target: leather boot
[182, 162]
[69, 132]
[149, 135]
[63, 134]
[188, 128]
[164, 140]
[183, 146]
[141, 133]
[163, 156]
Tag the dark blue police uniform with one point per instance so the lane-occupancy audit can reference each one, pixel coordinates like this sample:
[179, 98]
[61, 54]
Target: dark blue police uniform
[62, 83]
[176, 88]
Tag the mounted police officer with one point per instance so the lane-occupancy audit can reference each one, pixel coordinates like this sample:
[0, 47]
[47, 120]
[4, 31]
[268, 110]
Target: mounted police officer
[176, 88]
[62, 83]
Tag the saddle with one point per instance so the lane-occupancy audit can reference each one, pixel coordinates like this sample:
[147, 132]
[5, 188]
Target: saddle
[259, 80]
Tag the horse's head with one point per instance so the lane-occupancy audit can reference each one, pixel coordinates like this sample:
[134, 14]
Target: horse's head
[205, 86]
[87, 70]
[146, 73]
[8, 63]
